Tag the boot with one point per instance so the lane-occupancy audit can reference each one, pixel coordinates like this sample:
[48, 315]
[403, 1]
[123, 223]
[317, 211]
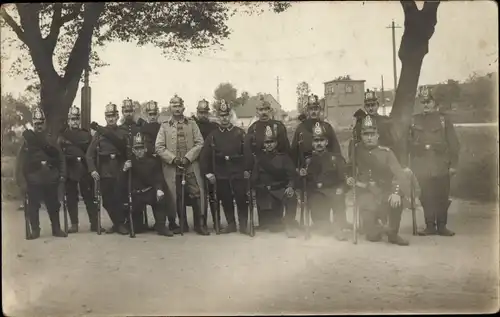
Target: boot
[198, 219]
[374, 237]
[229, 229]
[396, 239]
[93, 228]
[56, 227]
[292, 229]
[172, 226]
[35, 234]
[121, 229]
[340, 233]
[429, 230]
[443, 231]
[162, 230]
[73, 228]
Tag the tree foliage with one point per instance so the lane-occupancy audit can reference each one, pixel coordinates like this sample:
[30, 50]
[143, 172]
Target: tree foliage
[229, 93]
[16, 112]
[60, 39]
[303, 92]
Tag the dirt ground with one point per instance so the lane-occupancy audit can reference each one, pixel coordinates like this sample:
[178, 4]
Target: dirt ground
[90, 275]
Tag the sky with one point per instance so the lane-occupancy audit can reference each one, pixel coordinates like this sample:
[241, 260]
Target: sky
[312, 41]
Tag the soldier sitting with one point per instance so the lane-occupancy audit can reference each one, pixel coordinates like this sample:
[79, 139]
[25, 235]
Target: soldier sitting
[146, 187]
[272, 178]
[380, 182]
[325, 181]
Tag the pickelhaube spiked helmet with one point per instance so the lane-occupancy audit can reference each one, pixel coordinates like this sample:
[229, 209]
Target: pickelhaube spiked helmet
[138, 140]
[270, 134]
[263, 102]
[127, 104]
[37, 114]
[312, 100]
[111, 108]
[368, 125]
[203, 105]
[425, 93]
[74, 112]
[370, 97]
[222, 107]
[318, 131]
[152, 107]
[176, 100]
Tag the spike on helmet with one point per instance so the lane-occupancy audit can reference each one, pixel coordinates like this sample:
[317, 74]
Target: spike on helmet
[152, 107]
[38, 114]
[176, 100]
[138, 140]
[74, 112]
[111, 108]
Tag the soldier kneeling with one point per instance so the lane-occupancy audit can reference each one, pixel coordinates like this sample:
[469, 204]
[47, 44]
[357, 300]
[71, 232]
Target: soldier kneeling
[146, 188]
[325, 182]
[380, 184]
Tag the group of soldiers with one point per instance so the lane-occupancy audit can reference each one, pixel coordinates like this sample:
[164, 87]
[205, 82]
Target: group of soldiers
[197, 162]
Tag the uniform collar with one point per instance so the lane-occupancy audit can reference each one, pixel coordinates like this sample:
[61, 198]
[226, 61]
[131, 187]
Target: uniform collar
[226, 129]
[172, 121]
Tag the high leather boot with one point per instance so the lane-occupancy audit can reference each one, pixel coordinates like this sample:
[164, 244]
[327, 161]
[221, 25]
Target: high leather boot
[56, 226]
[73, 228]
[198, 219]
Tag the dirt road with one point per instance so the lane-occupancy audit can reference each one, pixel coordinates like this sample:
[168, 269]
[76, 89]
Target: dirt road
[90, 275]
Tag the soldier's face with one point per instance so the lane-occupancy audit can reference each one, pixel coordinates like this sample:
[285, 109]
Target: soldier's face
[177, 109]
[319, 144]
[270, 145]
[139, 152]
[371, 108]
[152, 117]
[264, 112]
[313, 112]
[128, 113]
[111, 119]
[225, 120]
[428, 105]
[370, 138]
[74, 123]
[38, 125]
[202, 115]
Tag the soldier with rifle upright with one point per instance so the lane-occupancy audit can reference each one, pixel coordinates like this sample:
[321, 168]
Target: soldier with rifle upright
[146, 187]
[381, 185]
[178, 144]
[254, 144]
[206, 127]
[273, 178]
[325, 174]
[150, 132]
[433, 149]
[42, 167]
[74, 142]
[222, 163]
[302, 146]
[105, 157]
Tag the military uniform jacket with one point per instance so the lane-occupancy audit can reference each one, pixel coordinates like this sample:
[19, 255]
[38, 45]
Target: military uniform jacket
[325, 173]
[150, 132]
[274, 172]
[145, 176]
[40, 163]
[304, 150]
[74, 144]
[206, 127]
[108, 149]
[254, 140]
[383, 123]
[434, 145]
[130, 128]
[379, 173]
[226, 142]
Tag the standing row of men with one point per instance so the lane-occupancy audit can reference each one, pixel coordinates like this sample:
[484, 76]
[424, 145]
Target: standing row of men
[148, 163]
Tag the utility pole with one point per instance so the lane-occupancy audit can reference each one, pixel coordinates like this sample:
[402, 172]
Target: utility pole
[85, 101]
[383, 95]
[394, 27]
[278, 88]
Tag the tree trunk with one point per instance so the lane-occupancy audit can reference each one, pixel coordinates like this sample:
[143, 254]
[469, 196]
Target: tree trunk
[55, 100]
[418, 29]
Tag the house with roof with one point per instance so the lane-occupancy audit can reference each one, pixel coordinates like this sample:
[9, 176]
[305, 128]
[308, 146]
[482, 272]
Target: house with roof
[246, 113]
[342, 98]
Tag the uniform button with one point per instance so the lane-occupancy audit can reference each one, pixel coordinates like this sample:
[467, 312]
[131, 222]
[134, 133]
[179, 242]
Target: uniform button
[427, 146]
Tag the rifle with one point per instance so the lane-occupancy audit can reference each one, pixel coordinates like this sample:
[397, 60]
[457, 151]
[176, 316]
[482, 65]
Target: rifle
[183, 207]
[65, 207]
[412, 194]
[355, 210]
[305, 217]
[97, 193]
[26, 217]
[130, 209]
[216, 199]
[251, 226]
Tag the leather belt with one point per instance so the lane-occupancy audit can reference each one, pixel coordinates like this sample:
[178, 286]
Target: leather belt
[141, 191]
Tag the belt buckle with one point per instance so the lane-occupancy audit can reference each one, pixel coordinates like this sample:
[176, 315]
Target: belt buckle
[320, 185]
[427, 146]
[268, 187]
[112, 156]
[44, 163]
[79, 159]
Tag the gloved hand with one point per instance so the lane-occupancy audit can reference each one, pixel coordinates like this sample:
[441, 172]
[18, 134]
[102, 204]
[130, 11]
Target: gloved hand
[289, 192]
[177, 161]
[94, 125]
[159, 194]
[211, 178]
[185, 162]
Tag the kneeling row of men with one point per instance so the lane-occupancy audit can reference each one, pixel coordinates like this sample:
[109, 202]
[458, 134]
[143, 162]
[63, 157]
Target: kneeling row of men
[148, 163]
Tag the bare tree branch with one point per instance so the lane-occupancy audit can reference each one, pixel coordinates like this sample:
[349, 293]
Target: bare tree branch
[73, 15]
[430, 9]
[55, 27]
[15, 27]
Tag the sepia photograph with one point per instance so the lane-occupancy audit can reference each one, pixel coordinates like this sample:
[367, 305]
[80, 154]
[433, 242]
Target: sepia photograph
[249, 158]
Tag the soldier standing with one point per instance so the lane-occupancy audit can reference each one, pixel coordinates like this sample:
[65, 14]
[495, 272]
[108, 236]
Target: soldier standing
[302, 145]
[74, 142]
[273, 178]
[150, 131]
[434, 149]
[146, 187]
[381, 183]
[42, 168]
[178, 144]
[225, 146]
[105, 158]
[325, 185]
[206, 127]
[254, 143]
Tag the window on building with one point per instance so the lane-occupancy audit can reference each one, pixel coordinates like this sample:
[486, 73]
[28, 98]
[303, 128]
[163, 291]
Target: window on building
[349, 89]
